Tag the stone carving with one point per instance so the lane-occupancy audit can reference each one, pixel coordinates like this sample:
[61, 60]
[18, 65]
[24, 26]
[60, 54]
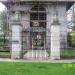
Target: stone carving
[17, 16]
[55, 20]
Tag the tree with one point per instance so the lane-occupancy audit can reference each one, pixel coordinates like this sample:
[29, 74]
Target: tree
[73, 28]
[69, 40]
[3, 27]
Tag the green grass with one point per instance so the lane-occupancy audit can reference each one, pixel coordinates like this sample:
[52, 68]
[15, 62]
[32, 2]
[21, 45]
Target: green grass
[21, 68]
[5, 53]
[67, 53]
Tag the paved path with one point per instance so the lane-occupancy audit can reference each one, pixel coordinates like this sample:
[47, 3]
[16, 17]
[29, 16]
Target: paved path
[40, 61]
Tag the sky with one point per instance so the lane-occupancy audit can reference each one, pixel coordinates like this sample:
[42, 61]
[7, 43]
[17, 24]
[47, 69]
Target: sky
[2, 7]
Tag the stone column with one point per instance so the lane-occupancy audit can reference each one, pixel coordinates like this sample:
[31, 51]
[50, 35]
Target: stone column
[55, 40]
[16, 39]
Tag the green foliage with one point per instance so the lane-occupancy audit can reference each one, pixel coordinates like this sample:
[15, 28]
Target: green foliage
[38, 42]
[3, 21]
[5, 53]
[1, 42]
[69, 52]
[69, 39]
[73, 38]
[3, 28]
[73, 28]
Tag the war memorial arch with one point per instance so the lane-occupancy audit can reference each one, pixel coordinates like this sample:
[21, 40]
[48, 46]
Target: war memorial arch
[38, 27]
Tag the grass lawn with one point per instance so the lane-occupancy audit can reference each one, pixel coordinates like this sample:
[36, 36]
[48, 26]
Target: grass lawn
[21, 68]
[68, 53]
[5, 53]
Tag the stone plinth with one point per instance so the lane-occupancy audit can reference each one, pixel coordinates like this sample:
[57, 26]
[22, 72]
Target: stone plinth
[55, 40]
[16, 41]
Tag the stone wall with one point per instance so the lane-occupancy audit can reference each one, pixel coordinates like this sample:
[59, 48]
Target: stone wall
[38, 0]
[50, 9]
[61, 8]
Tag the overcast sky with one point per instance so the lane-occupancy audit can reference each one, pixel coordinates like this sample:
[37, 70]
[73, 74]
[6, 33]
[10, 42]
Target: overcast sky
[2, 7]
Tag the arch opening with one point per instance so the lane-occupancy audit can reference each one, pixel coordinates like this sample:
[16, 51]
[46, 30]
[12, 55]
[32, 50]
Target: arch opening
[38, 27]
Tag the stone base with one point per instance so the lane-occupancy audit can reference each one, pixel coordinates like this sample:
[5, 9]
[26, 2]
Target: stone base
[15, 55]
[36, 54]
[55, 57]
[55, 42]
[16, 41]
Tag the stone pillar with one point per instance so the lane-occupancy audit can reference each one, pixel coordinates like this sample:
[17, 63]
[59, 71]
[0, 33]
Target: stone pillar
[55, 40]
[16, 39]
